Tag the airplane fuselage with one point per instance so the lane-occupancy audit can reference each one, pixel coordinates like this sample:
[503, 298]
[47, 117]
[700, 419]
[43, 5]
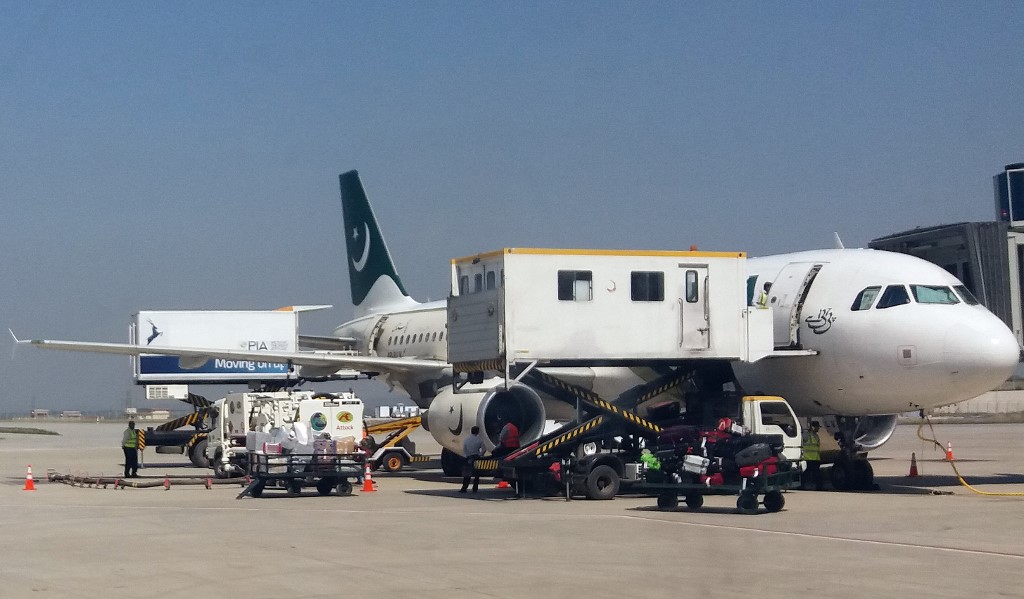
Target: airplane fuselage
[875, 360]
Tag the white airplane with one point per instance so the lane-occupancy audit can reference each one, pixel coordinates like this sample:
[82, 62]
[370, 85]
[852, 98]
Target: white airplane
[891, 333]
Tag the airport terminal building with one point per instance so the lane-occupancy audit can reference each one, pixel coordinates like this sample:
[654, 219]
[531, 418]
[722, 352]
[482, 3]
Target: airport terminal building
[987, 256]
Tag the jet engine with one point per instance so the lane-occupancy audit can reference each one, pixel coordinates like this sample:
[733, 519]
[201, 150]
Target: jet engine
[488, 405]
[873, 431]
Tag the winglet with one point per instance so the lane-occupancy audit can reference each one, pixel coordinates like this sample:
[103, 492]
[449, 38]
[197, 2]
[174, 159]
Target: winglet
[15, 337]
[839, 242]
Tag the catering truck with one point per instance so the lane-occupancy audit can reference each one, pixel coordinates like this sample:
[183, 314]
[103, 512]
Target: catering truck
[248, 422]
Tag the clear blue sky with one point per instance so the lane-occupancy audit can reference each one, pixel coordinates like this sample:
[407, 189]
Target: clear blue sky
[184, 155]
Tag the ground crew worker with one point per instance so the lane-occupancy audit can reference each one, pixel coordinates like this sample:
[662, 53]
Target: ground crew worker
[508, 440]
[811, 449]
[130, 445]
[762, 298]
[473, 448]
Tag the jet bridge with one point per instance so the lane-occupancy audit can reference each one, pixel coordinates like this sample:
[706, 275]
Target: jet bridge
[602, 308]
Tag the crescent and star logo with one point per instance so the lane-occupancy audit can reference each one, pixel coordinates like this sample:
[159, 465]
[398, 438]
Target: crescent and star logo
[822, 322]
[361, 262]
[458, 429]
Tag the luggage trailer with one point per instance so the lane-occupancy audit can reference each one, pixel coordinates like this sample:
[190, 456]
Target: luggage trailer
[508, 324]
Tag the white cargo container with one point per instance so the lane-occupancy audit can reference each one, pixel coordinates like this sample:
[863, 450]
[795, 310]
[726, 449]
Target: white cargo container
[603, 306]
[250, 330]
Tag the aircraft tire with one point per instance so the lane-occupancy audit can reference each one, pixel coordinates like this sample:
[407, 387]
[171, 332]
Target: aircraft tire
[842, 476]
[863, 475]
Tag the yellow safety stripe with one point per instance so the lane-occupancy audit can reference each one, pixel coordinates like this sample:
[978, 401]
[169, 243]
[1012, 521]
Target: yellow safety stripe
[485, 464]
[569, 436]
[140, 435]
[480, 365]
[578, 391]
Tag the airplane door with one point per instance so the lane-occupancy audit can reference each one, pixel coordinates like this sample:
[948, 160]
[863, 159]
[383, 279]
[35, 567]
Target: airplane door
[695, 323]
[787, 295]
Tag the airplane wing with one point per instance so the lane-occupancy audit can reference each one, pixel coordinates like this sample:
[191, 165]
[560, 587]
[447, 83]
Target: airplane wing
[312, 363]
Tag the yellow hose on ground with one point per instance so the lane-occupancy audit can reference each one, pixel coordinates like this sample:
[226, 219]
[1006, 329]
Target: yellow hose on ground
[953, 463]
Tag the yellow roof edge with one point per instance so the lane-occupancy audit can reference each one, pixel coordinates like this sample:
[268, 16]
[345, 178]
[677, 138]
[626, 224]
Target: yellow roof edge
[600, 252]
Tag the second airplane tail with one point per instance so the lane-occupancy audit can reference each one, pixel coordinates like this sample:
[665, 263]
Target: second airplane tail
[374, 281]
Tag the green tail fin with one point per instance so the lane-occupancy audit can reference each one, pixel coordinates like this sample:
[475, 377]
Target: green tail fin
[368, 257]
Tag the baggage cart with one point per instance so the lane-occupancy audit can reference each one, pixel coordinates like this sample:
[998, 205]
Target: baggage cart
[748, 490]
[292, 472]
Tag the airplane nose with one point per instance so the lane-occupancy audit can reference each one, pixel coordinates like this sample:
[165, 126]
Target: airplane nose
[980, 354]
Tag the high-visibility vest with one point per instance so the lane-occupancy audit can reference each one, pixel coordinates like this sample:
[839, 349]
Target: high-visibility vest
[130, 440]
[762, 300]
[812, 446]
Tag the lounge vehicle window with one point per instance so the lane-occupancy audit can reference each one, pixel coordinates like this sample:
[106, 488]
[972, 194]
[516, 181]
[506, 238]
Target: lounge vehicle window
[575, 285]
[692, 287]
[478, 283]
[966, 295]
[865, 298]
[491, 279]
[647, 286]
[933, 294]
[894, 295]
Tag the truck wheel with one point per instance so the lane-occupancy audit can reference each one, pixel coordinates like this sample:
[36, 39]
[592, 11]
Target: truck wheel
[668, 501]
[197, 454]
[324, 486]
[393, 462]
[220, 469]
[774, 501]
[344, 487]
[602, 483]
[694, 501]
[747, 504]
[294, 488]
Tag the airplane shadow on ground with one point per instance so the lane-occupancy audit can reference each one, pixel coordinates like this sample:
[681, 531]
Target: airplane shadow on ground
[939, 483]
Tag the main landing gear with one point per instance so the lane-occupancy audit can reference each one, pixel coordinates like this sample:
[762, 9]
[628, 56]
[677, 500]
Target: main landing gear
[851, 471]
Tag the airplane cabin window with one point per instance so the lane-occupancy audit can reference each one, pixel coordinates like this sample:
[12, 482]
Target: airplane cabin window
[894, 295]
[575, 285]
[441, 336]
[865, 298]
[966, 295]
[933, 294]
[490, 279]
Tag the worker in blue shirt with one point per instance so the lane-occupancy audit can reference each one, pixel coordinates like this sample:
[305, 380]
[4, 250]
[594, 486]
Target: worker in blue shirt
[472, 448]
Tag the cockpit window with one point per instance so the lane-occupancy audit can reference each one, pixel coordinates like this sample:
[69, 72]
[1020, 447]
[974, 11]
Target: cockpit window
[966, 295]
[865, 298]
[933, 294]
[894, 295]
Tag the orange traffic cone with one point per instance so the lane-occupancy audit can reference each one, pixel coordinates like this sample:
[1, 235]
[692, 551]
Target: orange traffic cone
[368, 481]
[30, 485]
[949, 451]
[913, 465]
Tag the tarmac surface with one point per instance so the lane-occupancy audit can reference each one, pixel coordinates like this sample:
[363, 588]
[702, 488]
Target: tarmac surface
[417, 537]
